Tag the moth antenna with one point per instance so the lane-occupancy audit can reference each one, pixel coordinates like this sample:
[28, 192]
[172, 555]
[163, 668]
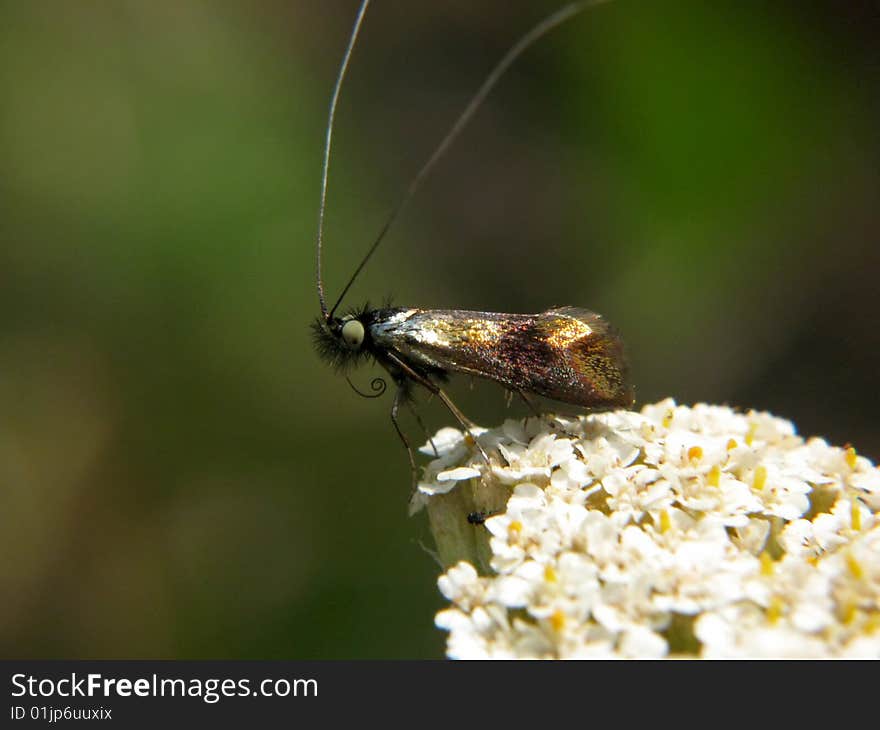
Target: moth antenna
[326, 164]
[538, 31]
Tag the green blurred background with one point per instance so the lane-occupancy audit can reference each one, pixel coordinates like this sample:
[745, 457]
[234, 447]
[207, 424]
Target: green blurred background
[182, 477]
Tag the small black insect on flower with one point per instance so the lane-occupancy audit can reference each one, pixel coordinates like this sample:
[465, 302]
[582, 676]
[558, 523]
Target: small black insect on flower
[480, 517]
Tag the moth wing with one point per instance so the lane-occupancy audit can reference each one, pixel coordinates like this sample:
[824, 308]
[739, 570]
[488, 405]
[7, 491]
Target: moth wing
[567, 353]
[587, 362]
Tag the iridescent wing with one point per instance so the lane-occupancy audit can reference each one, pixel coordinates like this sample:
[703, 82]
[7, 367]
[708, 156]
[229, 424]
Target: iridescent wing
[567, 354]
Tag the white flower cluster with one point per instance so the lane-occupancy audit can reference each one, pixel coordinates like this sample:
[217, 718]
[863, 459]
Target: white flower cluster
[675, 531]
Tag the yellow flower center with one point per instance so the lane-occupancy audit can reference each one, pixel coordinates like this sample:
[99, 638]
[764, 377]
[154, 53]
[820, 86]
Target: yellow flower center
[775, 610]
[855, 515]
[855, 567]
[514, 530]
[557, 620]
[713, 478]
[760, 479]
[750, 434]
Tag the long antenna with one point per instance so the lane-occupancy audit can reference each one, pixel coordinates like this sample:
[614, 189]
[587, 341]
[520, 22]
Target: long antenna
[560, 16]
[326, 166]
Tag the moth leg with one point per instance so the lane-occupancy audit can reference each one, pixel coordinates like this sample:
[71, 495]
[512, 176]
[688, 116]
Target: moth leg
[463, 420]
[508, 398]
[395, 406]
[466, 422]
[530, 403]
[412, 409]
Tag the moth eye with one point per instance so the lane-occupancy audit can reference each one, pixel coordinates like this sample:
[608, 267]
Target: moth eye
[353, 334]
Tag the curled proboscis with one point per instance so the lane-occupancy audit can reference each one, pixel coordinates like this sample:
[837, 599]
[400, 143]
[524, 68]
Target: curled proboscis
[377, 385]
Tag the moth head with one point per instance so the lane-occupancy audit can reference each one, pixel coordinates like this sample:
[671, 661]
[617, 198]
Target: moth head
[340, 340]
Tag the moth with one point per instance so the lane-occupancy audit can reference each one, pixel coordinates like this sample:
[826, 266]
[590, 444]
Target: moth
[567, 354]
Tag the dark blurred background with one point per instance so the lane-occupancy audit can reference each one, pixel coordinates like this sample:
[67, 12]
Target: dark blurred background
[182, 477]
